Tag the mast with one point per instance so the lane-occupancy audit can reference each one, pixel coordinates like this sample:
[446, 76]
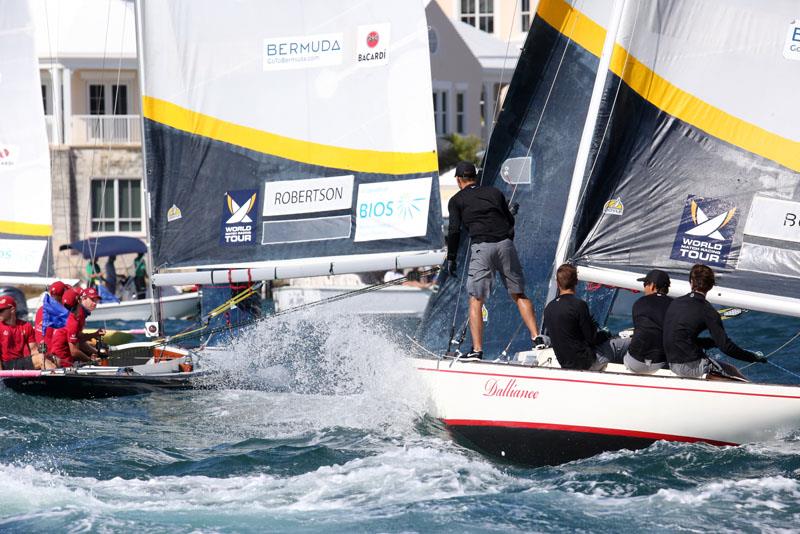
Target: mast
[155, 309]
[582, 157]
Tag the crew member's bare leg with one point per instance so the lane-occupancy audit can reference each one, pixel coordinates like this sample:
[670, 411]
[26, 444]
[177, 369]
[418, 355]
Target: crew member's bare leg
[526, 312]
[40, 362]
[476, 322]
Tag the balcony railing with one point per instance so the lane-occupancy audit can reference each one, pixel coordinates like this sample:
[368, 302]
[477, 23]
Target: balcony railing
[106, 129]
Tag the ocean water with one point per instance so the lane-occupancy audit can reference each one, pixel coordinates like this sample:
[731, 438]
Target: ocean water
[329, 434]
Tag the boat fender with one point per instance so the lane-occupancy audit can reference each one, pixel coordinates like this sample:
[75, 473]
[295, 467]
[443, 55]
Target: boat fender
[185, 367]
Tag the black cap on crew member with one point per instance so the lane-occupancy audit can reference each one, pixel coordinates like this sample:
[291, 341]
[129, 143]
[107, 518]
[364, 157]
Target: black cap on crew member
[465, 169]
[657, 277]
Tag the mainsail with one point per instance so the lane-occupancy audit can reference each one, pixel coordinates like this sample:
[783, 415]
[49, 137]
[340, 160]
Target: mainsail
[288, 138]
[696, 153]
[530, 158]
[25, 217]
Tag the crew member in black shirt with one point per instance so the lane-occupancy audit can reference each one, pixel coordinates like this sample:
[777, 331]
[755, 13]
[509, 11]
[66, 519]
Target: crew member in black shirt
[646, 353]
[686, 318]
[483, 210]
[576, 340]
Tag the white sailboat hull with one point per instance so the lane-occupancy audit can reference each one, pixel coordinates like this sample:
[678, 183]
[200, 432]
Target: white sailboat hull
[546, 416]
[175, 306]
[393, 300]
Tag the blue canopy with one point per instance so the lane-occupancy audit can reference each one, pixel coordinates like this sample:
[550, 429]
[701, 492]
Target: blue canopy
[98, 247]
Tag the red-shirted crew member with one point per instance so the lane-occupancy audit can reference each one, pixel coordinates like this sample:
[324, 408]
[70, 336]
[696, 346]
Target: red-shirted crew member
[70, 344]
[17, 342]
[56, 291]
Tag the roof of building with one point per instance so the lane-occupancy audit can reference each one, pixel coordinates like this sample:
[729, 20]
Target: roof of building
[491, 52]
[84, 28]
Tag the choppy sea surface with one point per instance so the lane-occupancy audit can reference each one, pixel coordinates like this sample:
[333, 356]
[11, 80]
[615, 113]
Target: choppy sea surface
[332, 436]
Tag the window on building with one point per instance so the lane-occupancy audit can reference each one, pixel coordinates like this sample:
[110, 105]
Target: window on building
[97, 99]
[116, 205]
[44, 98]
[478, 13]
[119, 99]
[483, 106]
[440, 111]
[525, 11]
[99, 104]
[433, 40]
[460, 113]
[443, 95]
[436, 112]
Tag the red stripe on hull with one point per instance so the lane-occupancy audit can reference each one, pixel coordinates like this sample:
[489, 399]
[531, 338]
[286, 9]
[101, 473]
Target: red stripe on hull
[600, 383]
[584, 430]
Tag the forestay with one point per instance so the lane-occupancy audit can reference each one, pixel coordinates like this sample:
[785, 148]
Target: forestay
[696, 153]
[25, 218]
[292, 136]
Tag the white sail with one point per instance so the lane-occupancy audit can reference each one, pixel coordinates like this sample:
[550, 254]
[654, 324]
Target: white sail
[276, 132]
[25, 217]
[689, 162]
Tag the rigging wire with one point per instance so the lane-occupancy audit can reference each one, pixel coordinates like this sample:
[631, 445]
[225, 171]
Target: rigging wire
[527, 154]
[544, 106]
[775, 352]
[483, 164]
[57, 140]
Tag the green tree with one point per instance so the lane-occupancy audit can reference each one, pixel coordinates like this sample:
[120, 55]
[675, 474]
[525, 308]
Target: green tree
[459, 148]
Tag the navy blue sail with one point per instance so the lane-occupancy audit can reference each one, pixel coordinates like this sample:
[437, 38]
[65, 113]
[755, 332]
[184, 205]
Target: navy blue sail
[690, 162]
[275, 133]
[530, 158]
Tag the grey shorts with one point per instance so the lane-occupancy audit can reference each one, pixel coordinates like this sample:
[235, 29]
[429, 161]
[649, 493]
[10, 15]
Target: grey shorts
[645, 367]
[489, 258]
[693, 369]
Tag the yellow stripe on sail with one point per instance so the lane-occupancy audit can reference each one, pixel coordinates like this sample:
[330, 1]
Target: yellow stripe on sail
[372, 161]
[19, 228]
[667, 97]
[573, 24]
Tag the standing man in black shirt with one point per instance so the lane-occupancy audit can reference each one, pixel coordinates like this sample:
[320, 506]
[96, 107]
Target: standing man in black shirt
[690, 315]
[646, 353]
[576, 340]
[483, 210]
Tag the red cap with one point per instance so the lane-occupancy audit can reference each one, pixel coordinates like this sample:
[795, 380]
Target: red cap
[7, 301]
[90, 293]
[70, 297]
[57, 288]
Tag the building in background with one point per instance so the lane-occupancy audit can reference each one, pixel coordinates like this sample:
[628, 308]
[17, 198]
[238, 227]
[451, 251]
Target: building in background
[507, 20]
[475, 45]
[90, 93]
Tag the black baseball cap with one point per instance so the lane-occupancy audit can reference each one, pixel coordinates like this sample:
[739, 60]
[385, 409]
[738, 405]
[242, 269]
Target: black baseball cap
[465, 169]
[657, 277]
